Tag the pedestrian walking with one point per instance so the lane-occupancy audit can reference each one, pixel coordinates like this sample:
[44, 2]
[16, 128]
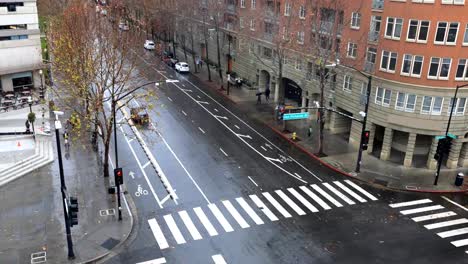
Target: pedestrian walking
[267, 94]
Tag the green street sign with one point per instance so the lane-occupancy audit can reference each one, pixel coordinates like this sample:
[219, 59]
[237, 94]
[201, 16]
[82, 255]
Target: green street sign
[440, 137]
[451, 135]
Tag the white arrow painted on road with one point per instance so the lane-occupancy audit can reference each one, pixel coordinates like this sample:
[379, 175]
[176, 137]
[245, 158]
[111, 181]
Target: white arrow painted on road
[272, 159]
[203, 102]
[132, 174]
[187, 90]
[222, 117]
[244, 136]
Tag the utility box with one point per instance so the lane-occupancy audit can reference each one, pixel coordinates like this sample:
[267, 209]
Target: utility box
[459, 179]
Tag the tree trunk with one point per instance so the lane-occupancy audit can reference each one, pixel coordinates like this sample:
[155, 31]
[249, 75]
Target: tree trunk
[207, 59]
[106, 156]
[320, 152]
[193, 51]
[220, 72]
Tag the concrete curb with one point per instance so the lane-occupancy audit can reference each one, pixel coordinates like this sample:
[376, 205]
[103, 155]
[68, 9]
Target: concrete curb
[351, 176]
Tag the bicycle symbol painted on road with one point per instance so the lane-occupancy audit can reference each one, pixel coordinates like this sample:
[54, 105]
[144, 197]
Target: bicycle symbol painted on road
[140, 191]
[284, 159]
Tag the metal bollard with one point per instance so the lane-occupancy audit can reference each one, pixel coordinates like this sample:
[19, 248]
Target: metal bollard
[294, 136]
[459, 179]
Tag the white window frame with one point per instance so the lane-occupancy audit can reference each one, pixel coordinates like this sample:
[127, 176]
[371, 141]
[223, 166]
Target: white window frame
[387, 68]
[465, 36]
[464, 76]
[431, 107]
[300, 37]
[392, 36]
[299, 64]
[287, 9]
[405, 107]
[382, 100]
[242, 3]
[348, 83]
[423, 1]
[439, 68]
[351, 52]
[253, 4]
[418, 31]
[457, 105]
[302, 12]
[447, 30]
[411, 69]
[453, 2]
[355, 20]
[241, 22]
[252, 24]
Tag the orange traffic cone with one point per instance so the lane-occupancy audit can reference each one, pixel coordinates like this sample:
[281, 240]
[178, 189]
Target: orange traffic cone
[19, 144]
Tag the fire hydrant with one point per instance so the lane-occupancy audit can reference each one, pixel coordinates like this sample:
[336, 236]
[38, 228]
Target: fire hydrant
[294, 136]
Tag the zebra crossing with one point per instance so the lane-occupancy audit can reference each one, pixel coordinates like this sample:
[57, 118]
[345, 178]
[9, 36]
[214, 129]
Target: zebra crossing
[436, 217]
[228, 216]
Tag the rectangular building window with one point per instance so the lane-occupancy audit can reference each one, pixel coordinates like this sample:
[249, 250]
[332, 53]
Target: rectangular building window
[253, 4]
[352, 50]
[459, 108]
[412, 65]
[299, 65]
[388, 61]
[300, 37]
[383, 96]
[418, 31]
[446, 33]
[242, 3]
[465, 37]
[462, 70]
[287, 9]
[405, 102]
[302, 12]
[347, 83]
[394, 26]
[252, 24]
[355, 20]
[432, 105]
[439, 68]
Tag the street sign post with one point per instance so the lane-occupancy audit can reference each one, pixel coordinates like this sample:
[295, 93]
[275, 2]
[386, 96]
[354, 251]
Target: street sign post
[296, 116]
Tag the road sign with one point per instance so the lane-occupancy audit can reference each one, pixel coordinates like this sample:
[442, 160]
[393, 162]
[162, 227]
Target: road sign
[440, 137]
[451, 135]
[295, 116]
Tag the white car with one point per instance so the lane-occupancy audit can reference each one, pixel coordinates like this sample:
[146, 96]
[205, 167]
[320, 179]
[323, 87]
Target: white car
[123, 26]
[149, 45]
[182, 67]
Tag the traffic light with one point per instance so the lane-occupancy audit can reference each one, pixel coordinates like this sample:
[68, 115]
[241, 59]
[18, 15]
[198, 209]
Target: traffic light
[447, 145]
[73, 210]
[365, 139]
[118, 176]
[443, 147]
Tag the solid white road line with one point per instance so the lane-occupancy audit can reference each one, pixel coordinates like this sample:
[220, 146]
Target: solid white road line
[326, 195]
[455, 232]
[218, 259]
[154, 261]
[158, 234]
[263, 207]
[221, 219]
[422, 201]
[452, 202]
[249, 211]
[263, 148]
[232, 210]
[447, 223]
[303, 200]
[350, 192]
[315, 198]
[225, 154]
[422, 209]
[433, 216]
[201, 130]
[204, 220]
[277, 205]
[190, 226]
[252, 181]
[146, 164]
[361, 190]
[290, 202]
[339, 194]
[237, 126]
[460, 243]
[174, 229]
[170, 99]
[185, 114]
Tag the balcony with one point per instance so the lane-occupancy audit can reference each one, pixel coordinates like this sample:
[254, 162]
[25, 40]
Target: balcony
[377, 5]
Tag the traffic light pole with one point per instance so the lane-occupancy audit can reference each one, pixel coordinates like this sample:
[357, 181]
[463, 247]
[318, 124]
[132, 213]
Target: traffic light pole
[439, 161]
[117, 184]
[71, 254]
[364, 121]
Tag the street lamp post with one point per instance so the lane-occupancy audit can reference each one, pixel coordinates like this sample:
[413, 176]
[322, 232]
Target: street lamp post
[63, 188]
[42, 84]
[364, 121]
[439, 160]
[30, 101]
[114, 107]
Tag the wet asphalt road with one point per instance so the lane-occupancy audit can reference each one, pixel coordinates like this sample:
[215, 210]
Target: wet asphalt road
[278, 205]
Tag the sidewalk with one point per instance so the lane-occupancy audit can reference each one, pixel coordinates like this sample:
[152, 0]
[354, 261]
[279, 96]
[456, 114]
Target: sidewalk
[31, 212]
[341, 156]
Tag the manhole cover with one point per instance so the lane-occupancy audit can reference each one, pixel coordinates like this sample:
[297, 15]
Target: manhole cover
[110, 243]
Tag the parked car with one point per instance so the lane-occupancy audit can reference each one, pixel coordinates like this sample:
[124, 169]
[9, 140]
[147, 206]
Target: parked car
[234, 79]
[182, 67]
[149, 45]
[123, 26]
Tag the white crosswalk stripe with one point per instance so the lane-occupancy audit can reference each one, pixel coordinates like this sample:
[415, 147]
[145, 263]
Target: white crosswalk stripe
[232, 210]
[361, 190]
[190, 226]
[326, 195]
[460, 243]
[218, 259]
[263, 208]
[303, 200]
[221, 219]
[290, 202]
[339, 194]
[433, 216]
[277, 205]
[455, 232]
[158, 234]
[174, 229]
[410, 203]
[315, 197]
[447, 223]
[350, 192]
[422, 209]
[204, 220]
[249, 211]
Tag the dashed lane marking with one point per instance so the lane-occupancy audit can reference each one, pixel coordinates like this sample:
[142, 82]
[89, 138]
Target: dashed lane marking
[201, 130]
[185, 114]
[252, 181]
[225, 154]
[170, 99]
[237, 126]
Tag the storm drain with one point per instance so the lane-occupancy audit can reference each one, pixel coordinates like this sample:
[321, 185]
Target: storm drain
[38, 257]
[107, 212]
[110, 243]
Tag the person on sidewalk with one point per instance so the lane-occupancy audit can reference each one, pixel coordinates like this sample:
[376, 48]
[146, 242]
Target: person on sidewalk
[267, 94]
